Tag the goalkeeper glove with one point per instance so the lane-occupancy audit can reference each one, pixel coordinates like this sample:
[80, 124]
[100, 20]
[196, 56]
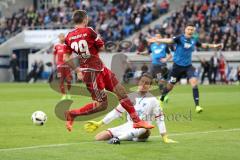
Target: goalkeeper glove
[91, 126]
[168, 140]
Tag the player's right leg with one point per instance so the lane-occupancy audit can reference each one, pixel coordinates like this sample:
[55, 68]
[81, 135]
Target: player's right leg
[193, 81]
[174, 75]
[60, 75]
[166, 90]
[87, 109]
[98, 95]
[191, 74]
[157, 74]
[68, 75]
[162, 81]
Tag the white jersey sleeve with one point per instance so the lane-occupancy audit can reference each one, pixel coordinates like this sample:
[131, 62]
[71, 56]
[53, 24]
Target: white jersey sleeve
[159, 117]
[114, 114]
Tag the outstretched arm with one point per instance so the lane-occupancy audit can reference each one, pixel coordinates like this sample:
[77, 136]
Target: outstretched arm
[91, 126]
[114, 114]
[161, 40]
[207, 45]
[168, 57]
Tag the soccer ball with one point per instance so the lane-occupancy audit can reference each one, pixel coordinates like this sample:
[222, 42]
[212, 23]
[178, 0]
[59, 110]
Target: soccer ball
[39, 118]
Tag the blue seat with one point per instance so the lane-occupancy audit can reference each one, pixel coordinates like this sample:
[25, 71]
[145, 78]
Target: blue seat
[128, 29]
[147, 19]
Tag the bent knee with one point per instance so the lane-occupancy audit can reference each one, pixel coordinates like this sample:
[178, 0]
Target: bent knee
[193, 81]
[103, 105]
[194, 84]
[120, 91]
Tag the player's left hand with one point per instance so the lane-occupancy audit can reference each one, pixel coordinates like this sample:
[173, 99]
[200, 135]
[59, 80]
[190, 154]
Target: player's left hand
[91, 126]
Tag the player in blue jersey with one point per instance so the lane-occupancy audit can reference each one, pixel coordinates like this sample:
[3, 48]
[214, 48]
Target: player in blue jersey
[160, 54]
[185, 45]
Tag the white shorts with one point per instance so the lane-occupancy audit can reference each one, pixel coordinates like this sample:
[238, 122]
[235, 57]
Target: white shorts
[127, 128]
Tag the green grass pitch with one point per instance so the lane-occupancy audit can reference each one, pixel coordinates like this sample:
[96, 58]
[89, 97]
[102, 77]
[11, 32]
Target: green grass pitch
[214, 134]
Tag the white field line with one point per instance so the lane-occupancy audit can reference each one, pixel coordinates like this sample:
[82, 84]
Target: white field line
[69, 144]
[203, 132]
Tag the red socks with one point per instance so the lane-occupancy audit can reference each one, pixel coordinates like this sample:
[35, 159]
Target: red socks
[62, 88]
[93, 108]
[128, 106]
[85, 110]
[68, 85]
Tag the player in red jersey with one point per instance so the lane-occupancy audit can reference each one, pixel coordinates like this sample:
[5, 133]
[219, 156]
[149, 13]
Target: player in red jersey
[222, 68]
[63, 70]
[86, 43]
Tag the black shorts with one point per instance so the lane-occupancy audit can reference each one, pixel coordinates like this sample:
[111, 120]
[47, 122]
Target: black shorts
[160, 72]
[179, 72]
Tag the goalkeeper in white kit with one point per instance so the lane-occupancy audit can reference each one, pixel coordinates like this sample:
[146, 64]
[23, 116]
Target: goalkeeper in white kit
[148, 109]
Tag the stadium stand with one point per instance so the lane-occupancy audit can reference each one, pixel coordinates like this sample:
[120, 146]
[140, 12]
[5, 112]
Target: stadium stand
[114, 20]
[117, 20]
[216, 22]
